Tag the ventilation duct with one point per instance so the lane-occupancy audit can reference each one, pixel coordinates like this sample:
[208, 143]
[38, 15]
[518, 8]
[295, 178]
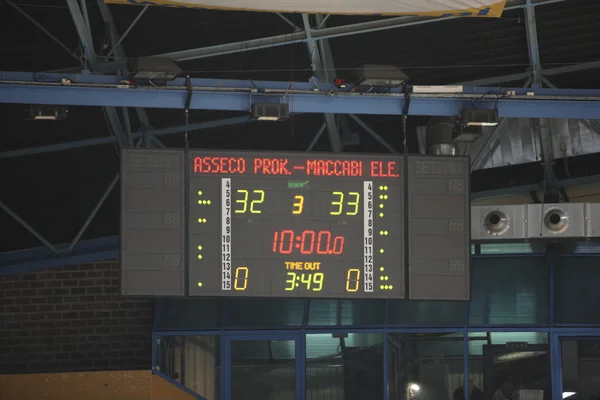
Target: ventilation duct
[439, 135]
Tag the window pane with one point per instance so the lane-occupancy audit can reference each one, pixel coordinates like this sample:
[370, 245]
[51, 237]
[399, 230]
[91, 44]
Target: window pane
[425, 366]
[187, 314]
[346, 312]
[263, 313]
[580, 369]
[506, 248]
[192, 361]
[344, 366]
[576, 280]
[510, 362]
[509, 290]
[438, 313]
[263, 369]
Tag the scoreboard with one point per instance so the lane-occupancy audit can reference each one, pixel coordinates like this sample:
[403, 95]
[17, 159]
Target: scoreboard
[242, 224]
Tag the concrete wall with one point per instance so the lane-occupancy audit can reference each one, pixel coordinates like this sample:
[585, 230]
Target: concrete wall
[72, 319]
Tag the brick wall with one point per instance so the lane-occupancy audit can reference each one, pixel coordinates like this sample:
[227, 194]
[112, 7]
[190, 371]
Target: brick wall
[72, 319]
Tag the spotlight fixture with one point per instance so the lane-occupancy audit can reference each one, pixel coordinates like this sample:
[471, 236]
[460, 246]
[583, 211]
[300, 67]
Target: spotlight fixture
[154, 68]
[269, 111]
[46, 113]
[379, 76]
[471, 123]
[478, 118]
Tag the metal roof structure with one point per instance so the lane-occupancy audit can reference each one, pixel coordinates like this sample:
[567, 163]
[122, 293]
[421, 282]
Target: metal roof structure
[60, 175]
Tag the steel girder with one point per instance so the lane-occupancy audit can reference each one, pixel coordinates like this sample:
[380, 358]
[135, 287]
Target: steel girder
[237, 95]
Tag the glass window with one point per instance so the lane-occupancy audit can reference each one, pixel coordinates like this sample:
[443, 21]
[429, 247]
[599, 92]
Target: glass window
[580, 369]
[425, 366]
[346, 312]
[438, 313]
[576, 283]
[344, 366]
[192, 361]
[187, 314]
[509, 362]
[263, 369]
[509, 290]
[263, 313]
[505, 248]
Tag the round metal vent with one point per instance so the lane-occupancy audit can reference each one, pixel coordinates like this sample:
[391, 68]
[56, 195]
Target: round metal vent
[496, 223]
[556, 220]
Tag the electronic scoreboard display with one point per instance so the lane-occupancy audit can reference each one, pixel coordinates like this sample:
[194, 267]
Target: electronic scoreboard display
[243, 224]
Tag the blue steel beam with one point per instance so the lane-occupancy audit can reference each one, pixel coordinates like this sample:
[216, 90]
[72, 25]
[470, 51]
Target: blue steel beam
[233, 95]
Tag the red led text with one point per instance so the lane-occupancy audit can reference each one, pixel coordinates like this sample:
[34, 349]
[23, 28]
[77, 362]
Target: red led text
[379, 169]
[271, 166]
[219, 165]
[334, 168]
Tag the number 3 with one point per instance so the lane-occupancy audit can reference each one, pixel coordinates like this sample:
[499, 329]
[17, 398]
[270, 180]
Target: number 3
[339, 203]
[298, 204]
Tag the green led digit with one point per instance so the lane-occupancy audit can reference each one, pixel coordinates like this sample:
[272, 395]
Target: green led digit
[291, 282]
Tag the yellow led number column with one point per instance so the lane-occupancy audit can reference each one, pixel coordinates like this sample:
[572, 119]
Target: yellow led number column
[246, 202]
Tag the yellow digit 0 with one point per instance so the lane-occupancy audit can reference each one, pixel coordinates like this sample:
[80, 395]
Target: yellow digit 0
[291, 281]
[243, 278]
[353, 203]
[243, 201]
[339, 203]
[352, 280]
[261, 198]
[298, 204]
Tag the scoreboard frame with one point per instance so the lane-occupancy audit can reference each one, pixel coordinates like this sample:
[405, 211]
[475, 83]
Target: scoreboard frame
[188, 176]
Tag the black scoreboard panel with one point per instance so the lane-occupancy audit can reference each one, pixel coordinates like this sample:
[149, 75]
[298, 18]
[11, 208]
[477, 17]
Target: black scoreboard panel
[439, 228]
[152, 222]
[295, 225]
[243, 224]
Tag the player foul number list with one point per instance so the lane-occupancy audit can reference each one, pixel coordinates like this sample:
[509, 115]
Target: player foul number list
[226, 234]
[368, 235]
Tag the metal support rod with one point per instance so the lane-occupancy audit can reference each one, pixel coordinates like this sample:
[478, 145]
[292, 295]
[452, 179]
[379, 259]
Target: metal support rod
[119, 52]
[317, 137]
[111, 139]
[532, 45]
[290, 23]
[319, 71]
[84, 12]
[85, 36]
[89, 219]
[137, 18]
[127, 124]
[492, 137]
[541, 125]
[114, 123]
[158, 142]
[327, 33]
[28, 227]
[321, 24]
[329, 72]
[371, 132]
[548, 83]
[40, 27]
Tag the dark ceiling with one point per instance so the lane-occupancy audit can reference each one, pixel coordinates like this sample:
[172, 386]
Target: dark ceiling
[55, 192]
